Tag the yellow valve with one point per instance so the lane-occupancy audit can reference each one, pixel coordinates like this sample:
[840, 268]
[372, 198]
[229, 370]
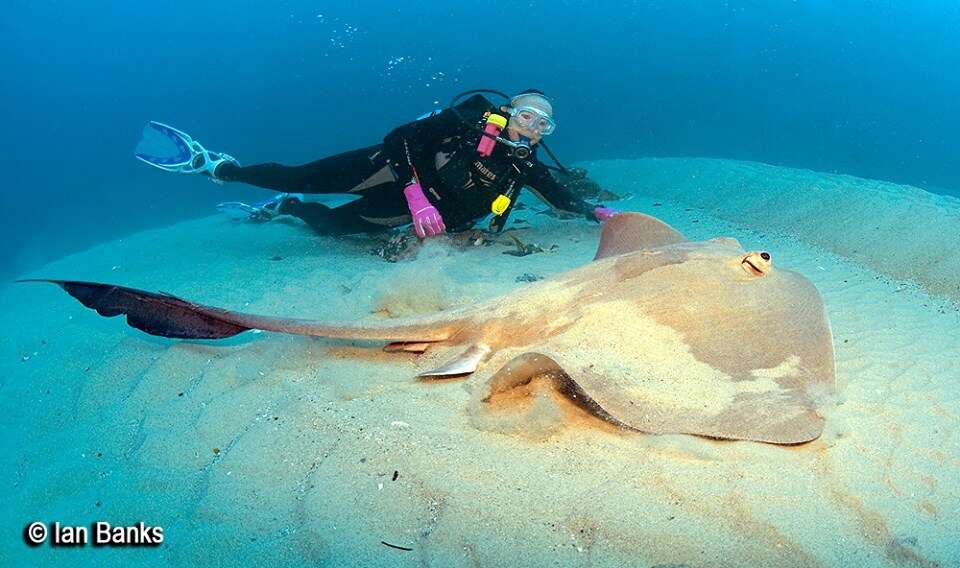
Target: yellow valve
[500, 205]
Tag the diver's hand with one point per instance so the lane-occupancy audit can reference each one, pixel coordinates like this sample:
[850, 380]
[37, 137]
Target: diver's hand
[427, 221]
[604, 213]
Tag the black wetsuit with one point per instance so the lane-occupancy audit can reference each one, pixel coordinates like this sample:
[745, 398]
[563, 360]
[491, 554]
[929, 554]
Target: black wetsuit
[443, 150]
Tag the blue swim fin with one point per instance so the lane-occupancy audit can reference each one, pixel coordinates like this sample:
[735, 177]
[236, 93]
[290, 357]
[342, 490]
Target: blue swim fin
[187, 156]
[262, 211]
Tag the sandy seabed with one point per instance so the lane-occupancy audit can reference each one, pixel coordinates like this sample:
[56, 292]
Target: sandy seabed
[274, 450]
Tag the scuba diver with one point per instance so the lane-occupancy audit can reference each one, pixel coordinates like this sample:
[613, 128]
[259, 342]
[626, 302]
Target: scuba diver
[442, 172]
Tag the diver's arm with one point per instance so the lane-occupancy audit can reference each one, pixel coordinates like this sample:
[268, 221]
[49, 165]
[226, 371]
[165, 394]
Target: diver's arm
[411, 142]
[554, 194]
[411, 150]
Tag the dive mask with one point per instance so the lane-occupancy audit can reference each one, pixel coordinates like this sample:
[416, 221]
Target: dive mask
[533, 119]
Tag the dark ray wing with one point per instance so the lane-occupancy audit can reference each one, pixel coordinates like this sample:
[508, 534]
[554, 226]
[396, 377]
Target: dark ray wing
[157, 314]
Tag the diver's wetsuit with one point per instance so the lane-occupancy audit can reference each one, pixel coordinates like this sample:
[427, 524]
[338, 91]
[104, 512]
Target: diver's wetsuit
[456, 179]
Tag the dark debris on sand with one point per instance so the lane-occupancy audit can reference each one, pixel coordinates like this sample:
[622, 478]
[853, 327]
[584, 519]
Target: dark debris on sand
[528, 277]
[523, 249]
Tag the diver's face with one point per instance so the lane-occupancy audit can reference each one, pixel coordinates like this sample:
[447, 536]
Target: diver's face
[515, 128]
[515, 131]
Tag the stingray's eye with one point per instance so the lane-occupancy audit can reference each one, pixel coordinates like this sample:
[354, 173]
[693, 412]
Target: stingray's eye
[756, 263]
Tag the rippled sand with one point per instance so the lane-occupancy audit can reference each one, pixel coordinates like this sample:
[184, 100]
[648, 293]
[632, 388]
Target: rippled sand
[267, 449]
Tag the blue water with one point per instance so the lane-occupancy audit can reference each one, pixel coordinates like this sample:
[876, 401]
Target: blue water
[866, 88]
[270, 435]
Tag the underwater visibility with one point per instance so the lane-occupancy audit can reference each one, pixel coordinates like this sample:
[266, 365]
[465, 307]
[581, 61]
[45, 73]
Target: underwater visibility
[663, 284]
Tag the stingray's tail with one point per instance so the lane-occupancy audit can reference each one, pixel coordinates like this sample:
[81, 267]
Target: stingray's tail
[168, 316]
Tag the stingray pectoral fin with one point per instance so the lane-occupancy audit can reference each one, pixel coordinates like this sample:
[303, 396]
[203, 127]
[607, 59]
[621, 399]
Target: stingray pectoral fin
[464, 364]
[157, 314]
[804, 427]
[521, 370]
[788, 419]
[524, 368]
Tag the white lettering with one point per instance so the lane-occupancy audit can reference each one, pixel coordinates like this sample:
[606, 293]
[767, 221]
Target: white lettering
[139, 534]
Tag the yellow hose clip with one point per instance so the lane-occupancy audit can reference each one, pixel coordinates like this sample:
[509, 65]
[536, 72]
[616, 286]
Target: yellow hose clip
[500, 205]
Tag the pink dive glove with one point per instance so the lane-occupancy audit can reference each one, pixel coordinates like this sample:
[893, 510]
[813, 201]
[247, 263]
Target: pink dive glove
[427, 221]
[604, 213]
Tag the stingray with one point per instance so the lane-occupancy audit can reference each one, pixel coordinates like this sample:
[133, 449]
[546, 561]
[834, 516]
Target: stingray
[657, 334]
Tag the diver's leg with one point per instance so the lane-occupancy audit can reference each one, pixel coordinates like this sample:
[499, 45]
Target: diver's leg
[350, 171]
[378, 210]
[326, 221]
